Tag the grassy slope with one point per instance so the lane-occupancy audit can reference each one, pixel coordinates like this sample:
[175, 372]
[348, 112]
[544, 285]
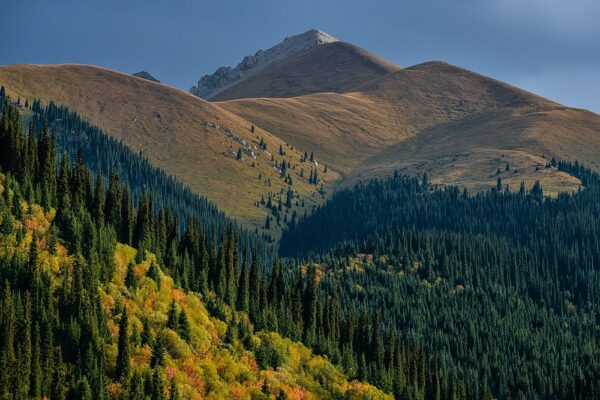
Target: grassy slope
[168, 126]
[332, 67]
[206, 367]
[436, 118]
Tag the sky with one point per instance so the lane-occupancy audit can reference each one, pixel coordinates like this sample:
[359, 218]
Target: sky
[550, 47]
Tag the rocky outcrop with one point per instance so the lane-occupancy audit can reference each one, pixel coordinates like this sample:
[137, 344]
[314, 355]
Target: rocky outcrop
[225, 77]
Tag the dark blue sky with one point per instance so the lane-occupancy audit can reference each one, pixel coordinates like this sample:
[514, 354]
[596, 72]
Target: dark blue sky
[551, 47]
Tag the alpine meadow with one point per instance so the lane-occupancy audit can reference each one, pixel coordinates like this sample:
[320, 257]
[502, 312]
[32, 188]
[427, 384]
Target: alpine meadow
[313, 222]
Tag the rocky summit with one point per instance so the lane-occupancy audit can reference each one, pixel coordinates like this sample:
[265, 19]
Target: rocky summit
[225, 77]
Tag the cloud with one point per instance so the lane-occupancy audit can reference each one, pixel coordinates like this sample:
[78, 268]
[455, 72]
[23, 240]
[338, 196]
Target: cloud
[574, 18]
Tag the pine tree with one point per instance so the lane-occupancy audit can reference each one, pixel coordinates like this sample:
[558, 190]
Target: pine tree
[35, 386]
[123, 359]
[221, 269]
[130, 278]
[310, 306]
[243, 297]
[288, 200]
[254, 299]
[158, 352]
[174, 391]
[146, 335]
[7, 350]
[231, 260]
[23, 370]
[154, 274]
[183, 325]
[126, 217]
[112, 204]
[485, 392]
[98, 212]
[136, 387]
[158, 385]
[59, 385]
[172, 317]
[33, 253]
[47, 168]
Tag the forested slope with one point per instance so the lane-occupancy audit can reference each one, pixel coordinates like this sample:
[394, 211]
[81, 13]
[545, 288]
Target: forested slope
[503, 285]
[83, 316]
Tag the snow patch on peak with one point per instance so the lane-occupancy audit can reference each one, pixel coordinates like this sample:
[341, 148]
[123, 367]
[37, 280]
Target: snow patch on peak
[225, 77]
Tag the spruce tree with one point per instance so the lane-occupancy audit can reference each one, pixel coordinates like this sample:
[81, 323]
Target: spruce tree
[126, 217]
[174, 391]
[112, 204]
[158, 351]
[123, 359]
[35, 385]
[310, 306]
[136, 387]
[183, 326]
[130, 278]
[98, 212]
[146, 335]
[172, 317]
[158, 385]
[254, 284]
[243, 297]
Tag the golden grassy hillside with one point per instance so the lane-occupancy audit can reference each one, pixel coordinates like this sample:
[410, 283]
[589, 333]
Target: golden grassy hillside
[332, 67]
[454, 124]
[176, 131]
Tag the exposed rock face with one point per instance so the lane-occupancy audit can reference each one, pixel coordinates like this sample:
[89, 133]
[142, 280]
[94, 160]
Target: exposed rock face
[224, 77]
[146, 75]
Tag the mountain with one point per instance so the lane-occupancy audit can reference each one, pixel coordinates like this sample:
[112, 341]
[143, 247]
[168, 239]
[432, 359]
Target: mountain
[224, 77]
[331, 67]
[457, 126]
[146, 75]
[188, 137]
[360, 116]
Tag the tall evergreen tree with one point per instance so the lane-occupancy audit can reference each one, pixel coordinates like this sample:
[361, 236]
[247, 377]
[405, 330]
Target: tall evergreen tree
[123, 358]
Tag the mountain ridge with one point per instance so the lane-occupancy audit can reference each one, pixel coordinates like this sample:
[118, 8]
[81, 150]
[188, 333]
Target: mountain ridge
[458, 126]
[331, 67]
[190, 138]
[223, 77]
[374, 123]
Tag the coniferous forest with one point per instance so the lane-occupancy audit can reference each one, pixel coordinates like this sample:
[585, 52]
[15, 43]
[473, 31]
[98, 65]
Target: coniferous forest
[107, 299]
[117, 282]
[503, 285]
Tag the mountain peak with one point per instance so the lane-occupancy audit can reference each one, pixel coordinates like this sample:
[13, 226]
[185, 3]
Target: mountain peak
[224, 77]
[315, 36]
[146, 75]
